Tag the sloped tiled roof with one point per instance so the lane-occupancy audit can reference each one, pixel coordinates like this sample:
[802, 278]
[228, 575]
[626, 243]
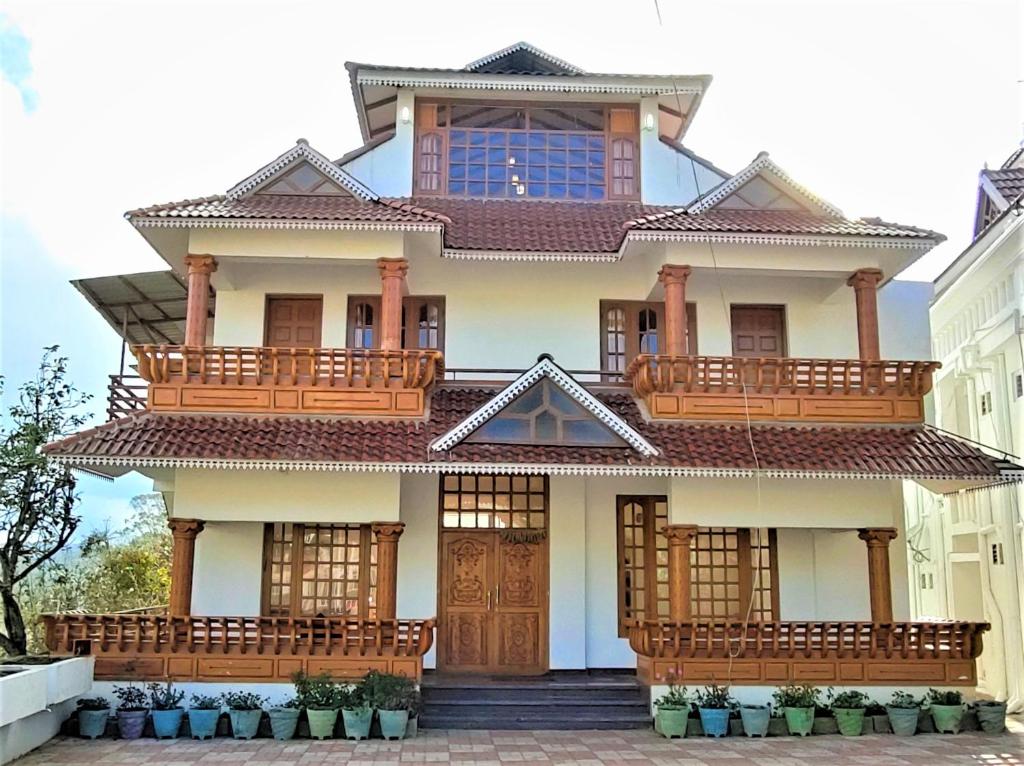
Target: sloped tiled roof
[1009, 182]
[908, 452]
[287, 207]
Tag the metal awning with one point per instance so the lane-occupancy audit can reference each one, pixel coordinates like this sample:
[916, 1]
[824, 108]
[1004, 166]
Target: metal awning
[148, 307]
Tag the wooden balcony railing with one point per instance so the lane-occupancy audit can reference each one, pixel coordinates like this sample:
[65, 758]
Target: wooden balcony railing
[312, 380]
[863, 652]
[723, 387]
[126, 395]
[153, 645]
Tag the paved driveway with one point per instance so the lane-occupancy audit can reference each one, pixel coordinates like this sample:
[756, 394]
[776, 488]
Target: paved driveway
[497, 747]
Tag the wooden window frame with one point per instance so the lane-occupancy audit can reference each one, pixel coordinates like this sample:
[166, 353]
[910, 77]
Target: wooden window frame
[270, 297]
[531, 480]
[410, 308]
[433, 107]
[632, 311]
[366, 565]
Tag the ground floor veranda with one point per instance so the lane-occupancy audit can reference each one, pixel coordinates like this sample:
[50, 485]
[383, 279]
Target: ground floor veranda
[702, 578]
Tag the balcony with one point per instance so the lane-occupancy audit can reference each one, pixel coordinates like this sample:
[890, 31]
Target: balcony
[283, 380]
[818, 652]
[833, 390]
[136, 646]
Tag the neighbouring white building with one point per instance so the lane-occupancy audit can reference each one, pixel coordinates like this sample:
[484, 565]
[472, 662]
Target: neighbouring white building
[967, 547]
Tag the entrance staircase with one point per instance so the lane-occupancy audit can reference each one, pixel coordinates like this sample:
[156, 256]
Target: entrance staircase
[555, 701]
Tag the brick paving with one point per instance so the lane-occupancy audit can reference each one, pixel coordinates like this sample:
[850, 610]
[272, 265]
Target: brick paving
[629, 748]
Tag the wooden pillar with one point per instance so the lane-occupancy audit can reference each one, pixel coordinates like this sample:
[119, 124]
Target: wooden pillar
[674, 280]
[183, 532]
[387, 534]
[865, 290]
[392, 288]
[680, 540]
[879, 581]
[200, 267]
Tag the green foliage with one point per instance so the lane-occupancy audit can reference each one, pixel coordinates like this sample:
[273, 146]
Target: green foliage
[797, 695]
[352, 697]
[204, 702]
[130, 697]
[93, 703]
[936, 697]
[165, 697]
[905, 701]
[318, 692]
[384, 691]
[852, 700]
[244, 700]
[715, 697]
[675, 697]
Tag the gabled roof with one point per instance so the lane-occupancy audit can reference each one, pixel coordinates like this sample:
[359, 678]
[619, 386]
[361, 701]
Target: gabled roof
[522, 58]
[1003, 185]
[544, 368]
[764, 167]
[301, 152]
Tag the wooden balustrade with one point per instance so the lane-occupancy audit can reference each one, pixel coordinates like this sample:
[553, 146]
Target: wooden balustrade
[838, 652]
[211, 648]
[311, 380]
[126, 395]
[724, 388]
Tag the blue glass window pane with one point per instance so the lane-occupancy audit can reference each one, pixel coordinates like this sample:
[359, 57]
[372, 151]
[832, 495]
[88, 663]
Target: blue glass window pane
[457, 137]
[546, 426]
[478, 138]
[496, 139]
[596, 159]
[496, 156]
[556, 174]
[556, 157]
[538, 140]
[529, 400]
[596, 192]
[557, 141]
[477, 172]
[477, 155]
[577, 158]
[577, 141]
[556, 190]
[578, 191]
[537, 173]
[457, 187]
[458, 172]
[476, 189]
[519, 155]
[457, 154]
[536, 190]
[497, 189]
[588, 432]
[517, 139]
[595, 143]
[579, 175]
[596, 175]
[504, 428]
[538, 157]
[496, 173]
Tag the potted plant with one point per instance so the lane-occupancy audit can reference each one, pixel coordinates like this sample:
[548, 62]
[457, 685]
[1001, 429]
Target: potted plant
[356, 711]
[284, 718]
[671, 711]
[903, 711]
[394, 698]
[131, 710]
[321, 698]
[797, 702]
[849, 708]
[203, 715]
[166, 709]
[714, 704]
[755, 719]
[245, 710]
[947, 709]
[991, 716]
[93, 714]
[876, 720]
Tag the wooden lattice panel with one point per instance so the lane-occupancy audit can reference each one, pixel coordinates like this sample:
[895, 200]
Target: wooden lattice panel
[494, 502]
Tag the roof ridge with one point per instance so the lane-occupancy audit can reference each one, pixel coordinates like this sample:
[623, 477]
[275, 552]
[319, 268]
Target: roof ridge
[410, 207]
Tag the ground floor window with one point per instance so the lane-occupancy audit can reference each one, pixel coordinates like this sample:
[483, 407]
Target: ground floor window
[313, 570]
[731, 569]
[494, 501]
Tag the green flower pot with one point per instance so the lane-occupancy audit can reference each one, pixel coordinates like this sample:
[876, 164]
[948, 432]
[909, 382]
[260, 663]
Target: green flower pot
[93, 723]
[244, 723]
[321, 723]
[755, 720]
[672, 721]
[283, 721]
[850, 721]
[991, 717]
[357, 722]
[393, 723]
[947, 718]
[203, 723]
[166, 723]
[799, 720]
[903, 720]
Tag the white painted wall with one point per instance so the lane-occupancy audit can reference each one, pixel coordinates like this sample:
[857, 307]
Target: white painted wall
[417, 551]
[569, 576]
[227, 575]
[387, 168]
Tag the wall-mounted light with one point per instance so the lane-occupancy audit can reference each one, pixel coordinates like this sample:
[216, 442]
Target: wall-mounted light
[649, 121]
[406, 115]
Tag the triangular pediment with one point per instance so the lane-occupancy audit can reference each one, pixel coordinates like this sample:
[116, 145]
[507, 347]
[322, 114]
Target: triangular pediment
[521, 58]
[763, 185]
[545, 406]
[302, 170]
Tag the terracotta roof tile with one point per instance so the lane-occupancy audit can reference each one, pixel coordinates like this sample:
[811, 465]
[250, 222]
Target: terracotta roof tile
[288, 207]
[911, 452]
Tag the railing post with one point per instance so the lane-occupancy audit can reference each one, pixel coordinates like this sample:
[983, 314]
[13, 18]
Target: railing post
[865, 289]
[387, 534]
[200, 267]
[674, 280]
[183, 532]
[879, 581]
[680, 540]
[392, 288]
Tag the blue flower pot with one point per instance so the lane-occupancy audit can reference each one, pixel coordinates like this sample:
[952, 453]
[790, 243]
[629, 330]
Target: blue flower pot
[283, 721]
[714, 721]
[357, 722]
[92, 723]
[244, 723]
[393, 723]
[166, 723]
[203, 723]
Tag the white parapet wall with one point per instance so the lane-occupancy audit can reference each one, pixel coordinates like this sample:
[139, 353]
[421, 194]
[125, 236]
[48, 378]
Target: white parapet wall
[36, 700]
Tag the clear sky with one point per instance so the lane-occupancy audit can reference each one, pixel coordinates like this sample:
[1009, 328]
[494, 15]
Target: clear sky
[883, 107]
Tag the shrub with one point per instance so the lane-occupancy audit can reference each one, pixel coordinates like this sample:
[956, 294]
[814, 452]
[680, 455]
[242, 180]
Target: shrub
[352, 697]
[905, 701]
[93, 703]
[318, 692]
[797, 695]
[244, 700]
[936, 697]
[130, 698]
[384, 691]
[715, 697]
[675, 697]
[853, 700]
[165, 697]
[204, 702]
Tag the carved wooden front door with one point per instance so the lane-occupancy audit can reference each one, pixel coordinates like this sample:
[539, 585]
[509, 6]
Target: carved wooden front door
[492, 604]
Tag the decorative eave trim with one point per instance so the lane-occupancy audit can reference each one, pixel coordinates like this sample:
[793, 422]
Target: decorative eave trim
[302, 151]
[281, 223]
[545, 368]
[810, 240]
[762, 163]
[510, 255]
[554, 469]
[540, 83]
[522, 45]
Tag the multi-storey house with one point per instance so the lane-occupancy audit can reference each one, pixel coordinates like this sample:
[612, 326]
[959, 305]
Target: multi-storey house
[522, 385]
[968, 547]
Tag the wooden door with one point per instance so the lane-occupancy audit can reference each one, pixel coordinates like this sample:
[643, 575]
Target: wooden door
[294, 322]
[758, 331]
[492, 604]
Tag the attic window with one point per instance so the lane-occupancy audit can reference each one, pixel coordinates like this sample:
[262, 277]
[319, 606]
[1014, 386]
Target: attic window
[303, 179]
